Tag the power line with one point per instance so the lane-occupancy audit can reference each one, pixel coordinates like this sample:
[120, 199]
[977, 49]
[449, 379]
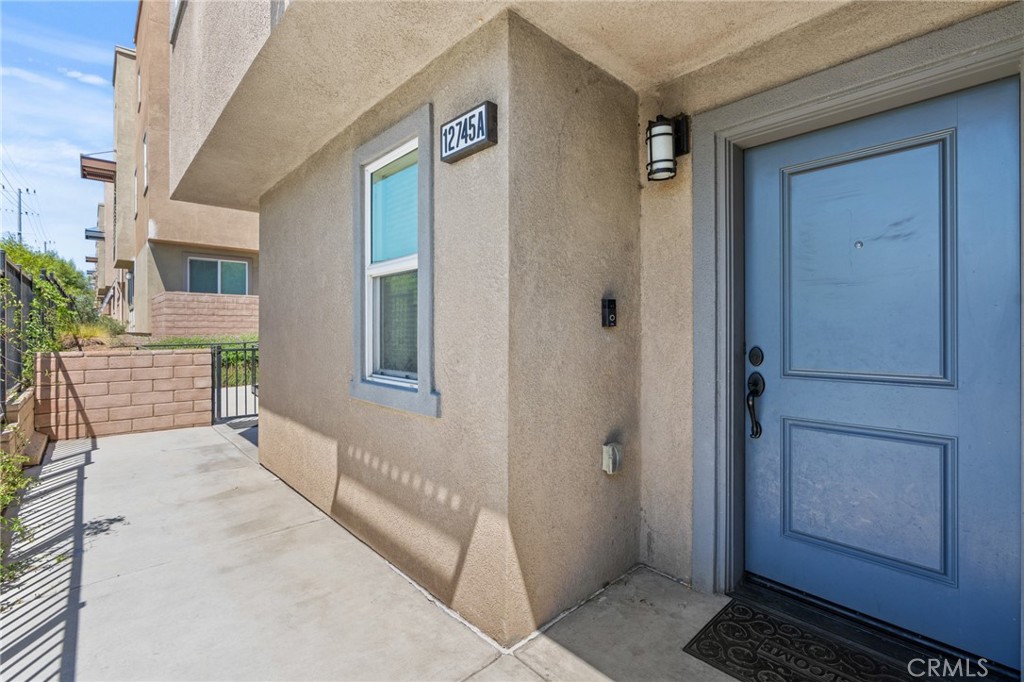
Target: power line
[13, 165]
[31, 196]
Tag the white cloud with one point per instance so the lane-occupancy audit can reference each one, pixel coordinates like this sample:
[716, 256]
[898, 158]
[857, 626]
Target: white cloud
[44, 39]
[44, 130]
[87, 78]
[30, 77]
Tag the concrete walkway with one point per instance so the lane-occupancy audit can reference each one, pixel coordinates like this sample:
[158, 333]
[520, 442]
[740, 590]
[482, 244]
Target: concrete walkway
[174, 556]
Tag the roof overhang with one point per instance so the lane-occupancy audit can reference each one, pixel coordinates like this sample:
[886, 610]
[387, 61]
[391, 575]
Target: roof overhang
[95, 168]
[326, 63]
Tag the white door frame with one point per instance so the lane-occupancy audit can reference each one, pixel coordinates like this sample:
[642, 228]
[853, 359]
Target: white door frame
[981, 49]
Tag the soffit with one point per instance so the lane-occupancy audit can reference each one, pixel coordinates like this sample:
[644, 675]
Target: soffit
[326, 63]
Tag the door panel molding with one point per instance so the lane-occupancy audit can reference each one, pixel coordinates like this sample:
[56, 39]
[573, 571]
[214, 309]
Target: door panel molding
[943, 371]
[937, 452]
[970, 53]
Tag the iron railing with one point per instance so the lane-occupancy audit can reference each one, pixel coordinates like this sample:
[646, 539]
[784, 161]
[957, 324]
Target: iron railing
[20, 292]
[236, 369]
[14, 312]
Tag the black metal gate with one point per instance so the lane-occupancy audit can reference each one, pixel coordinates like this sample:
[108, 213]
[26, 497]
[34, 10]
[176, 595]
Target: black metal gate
[236, 377]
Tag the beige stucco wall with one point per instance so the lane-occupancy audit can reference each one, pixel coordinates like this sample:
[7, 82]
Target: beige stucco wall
[574, 239]
[216, 43]
[125, 111]
[159, 217]
[430, 494]
[153, 239]
[170, 263]
[499, 507]
[107, 259]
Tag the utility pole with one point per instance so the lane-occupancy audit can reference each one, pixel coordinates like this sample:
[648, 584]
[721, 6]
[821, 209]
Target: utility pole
[26, 191]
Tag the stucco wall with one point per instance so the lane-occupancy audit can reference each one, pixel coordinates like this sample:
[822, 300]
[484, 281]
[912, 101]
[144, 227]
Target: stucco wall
[104, 252]
[171, 262]
[430, 494]
[159, 217]
[574, 239]
[216, 43]
[125, 112]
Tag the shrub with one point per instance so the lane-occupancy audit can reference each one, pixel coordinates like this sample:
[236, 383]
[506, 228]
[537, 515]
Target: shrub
[13, 482]
[113, 326]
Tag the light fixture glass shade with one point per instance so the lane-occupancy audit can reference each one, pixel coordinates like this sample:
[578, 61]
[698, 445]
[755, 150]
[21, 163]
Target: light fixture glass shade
[661, 160]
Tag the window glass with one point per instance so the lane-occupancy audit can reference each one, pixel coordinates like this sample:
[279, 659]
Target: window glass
[202, 276]
[397, 300]
[393, 210]
[232, 277]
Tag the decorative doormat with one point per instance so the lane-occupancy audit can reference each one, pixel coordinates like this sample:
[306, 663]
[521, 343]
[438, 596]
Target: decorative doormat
[758, 645]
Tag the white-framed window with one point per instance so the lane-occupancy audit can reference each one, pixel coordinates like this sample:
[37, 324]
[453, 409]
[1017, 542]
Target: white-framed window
[145, 162]
[393, 311]
[217, 276]
[138, 89]
[391, 208]
[135, 193]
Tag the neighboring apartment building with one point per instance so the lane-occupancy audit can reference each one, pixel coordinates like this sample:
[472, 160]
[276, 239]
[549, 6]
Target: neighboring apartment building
[815, 369]
[170, 268]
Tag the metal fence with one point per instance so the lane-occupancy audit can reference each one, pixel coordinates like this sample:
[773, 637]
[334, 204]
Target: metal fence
[15, 309]
[235, 369]
[20, 291]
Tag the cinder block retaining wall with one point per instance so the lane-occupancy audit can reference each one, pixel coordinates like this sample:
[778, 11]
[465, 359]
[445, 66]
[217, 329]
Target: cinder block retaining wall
[121, 391]
[179, 313]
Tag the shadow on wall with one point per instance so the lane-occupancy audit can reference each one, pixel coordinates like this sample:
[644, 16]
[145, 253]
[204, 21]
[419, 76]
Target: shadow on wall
[41, 608]
[60, 409]
[374, 495]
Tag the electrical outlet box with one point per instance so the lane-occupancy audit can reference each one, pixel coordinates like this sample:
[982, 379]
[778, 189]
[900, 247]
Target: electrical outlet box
[611, 460]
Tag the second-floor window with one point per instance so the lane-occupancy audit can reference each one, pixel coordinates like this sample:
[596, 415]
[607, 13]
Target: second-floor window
[135, 193]
[218, 276]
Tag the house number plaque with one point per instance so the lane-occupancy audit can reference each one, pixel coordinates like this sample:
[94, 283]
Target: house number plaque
[470, 132]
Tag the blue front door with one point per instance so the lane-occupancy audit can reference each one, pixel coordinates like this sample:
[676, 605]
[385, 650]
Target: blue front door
[882, 287]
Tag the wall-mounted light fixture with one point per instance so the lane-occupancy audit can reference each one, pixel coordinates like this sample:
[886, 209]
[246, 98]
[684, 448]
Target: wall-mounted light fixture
[667, 138]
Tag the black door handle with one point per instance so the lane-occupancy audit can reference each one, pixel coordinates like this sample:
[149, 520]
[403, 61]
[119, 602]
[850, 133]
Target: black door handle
[755, 387]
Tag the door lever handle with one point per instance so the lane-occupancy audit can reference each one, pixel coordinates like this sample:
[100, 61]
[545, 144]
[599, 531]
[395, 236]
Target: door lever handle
[755, 387]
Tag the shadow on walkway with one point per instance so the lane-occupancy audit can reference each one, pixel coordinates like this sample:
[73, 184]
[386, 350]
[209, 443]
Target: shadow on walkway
[41, 608]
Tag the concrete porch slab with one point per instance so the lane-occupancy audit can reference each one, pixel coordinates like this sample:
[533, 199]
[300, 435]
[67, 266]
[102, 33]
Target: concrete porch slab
[174, 556]
[634, 630]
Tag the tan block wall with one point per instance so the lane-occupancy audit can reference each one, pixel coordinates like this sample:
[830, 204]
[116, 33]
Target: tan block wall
[179, 313]
[19, 413]
[121, 391]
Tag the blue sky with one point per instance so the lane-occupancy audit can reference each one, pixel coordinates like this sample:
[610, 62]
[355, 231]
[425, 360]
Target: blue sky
[56, 101]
